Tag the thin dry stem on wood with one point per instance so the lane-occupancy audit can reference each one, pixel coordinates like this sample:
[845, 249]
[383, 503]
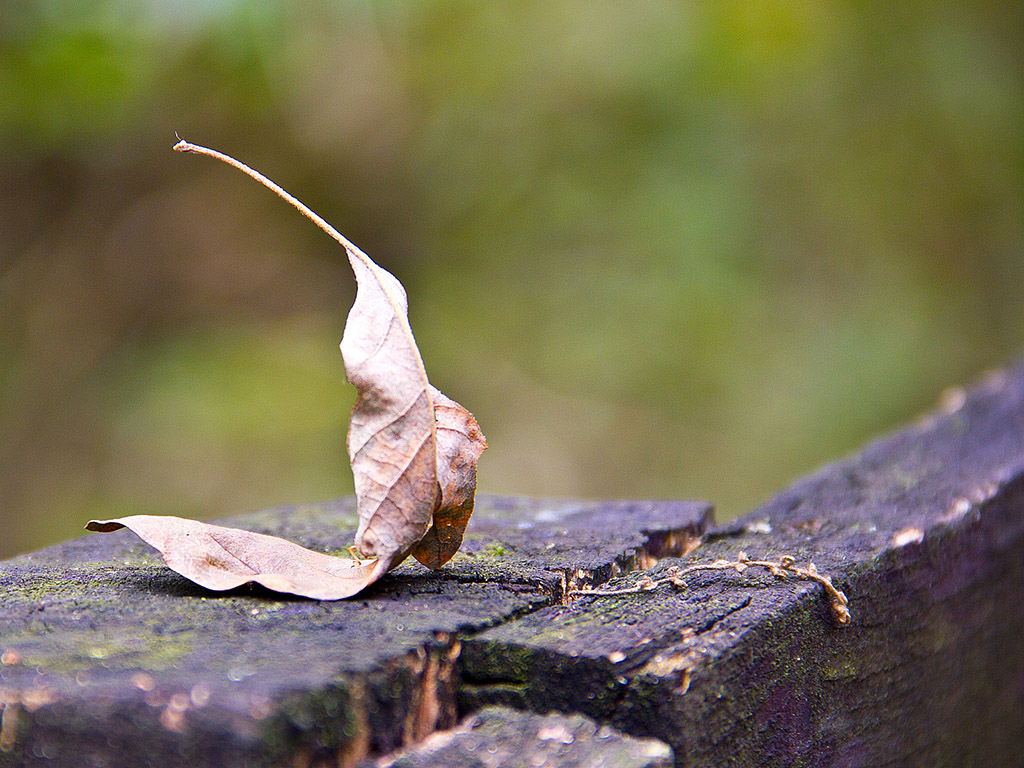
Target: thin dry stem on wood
[784, 568]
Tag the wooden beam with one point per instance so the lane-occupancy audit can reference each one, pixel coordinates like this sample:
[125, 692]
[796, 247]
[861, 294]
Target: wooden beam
[110, 658]
[923, 530]
[107, 657]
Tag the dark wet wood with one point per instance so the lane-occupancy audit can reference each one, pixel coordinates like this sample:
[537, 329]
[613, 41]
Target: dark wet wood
[924, 530]
[111, 659]
[497, 736]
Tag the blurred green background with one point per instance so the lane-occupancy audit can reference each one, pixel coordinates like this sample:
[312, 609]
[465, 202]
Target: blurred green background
[659, 249]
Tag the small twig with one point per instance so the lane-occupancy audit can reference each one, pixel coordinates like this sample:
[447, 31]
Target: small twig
[785, 568]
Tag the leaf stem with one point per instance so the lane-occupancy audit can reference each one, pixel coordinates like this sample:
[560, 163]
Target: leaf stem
[353, 251]
[277, 189]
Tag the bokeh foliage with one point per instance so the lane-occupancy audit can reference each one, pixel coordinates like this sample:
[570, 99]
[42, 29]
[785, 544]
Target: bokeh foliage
[658, 248]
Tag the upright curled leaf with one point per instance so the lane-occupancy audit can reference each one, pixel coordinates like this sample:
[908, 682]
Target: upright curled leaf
[413, 454]
[392, 438]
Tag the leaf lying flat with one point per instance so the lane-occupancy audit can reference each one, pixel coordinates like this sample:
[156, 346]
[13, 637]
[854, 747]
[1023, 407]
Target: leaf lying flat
[222, 558]
[459, 445]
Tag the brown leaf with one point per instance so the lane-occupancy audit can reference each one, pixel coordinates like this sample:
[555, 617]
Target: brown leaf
[413, 453]
[459, 445]
[221, 558]
[392, 439]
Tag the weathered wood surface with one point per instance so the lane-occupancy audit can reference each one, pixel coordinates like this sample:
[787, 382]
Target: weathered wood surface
[923, 530]
[111, 659]
[497, 736]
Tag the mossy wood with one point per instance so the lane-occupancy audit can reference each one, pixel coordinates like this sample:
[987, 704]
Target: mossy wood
[923, 530]
[111, 659]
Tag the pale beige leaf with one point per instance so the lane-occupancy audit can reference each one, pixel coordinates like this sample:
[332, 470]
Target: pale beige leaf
[459, 445]
[414, 464]
[222, 558]
[391, 438]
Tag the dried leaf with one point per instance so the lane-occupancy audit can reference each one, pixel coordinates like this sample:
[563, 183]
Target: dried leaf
[392, 439]
[413, 453]
[222, 558]
[459, 445]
